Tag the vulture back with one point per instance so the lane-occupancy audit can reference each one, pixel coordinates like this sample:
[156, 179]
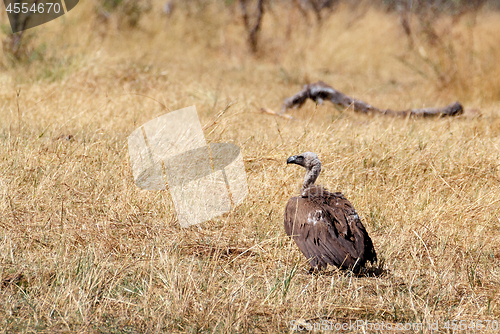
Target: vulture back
[327, 230]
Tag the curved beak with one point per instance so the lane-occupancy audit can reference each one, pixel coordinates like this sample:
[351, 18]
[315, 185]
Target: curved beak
[291, 160]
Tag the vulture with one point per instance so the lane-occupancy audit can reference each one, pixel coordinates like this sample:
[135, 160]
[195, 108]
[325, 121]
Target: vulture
[325, 225]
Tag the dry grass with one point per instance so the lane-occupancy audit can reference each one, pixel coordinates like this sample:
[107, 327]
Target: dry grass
[83, 249]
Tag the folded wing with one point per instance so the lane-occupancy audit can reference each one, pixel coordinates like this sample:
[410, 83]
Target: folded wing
[327, 230]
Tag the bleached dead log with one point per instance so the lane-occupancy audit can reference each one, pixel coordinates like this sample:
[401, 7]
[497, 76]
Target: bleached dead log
[320, 91]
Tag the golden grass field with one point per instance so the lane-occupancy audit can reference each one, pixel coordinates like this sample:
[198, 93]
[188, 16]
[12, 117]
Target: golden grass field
[82, 249]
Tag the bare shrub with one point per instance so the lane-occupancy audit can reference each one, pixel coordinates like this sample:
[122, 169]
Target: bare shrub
[252, 28]
[19, 46]
[128, 11]
[318, 6]
[439, 49]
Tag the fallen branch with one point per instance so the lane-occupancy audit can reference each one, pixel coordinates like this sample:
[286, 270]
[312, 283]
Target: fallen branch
[320, 91]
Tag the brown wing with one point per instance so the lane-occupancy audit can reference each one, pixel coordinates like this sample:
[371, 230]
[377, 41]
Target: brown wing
[327, 230]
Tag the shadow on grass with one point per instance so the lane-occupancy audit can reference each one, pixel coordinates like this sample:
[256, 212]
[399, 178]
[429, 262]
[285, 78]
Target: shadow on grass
[372, 271]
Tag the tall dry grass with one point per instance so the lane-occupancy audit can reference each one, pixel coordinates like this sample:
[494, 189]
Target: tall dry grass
[82, 249]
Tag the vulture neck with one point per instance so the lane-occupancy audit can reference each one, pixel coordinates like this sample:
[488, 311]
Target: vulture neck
[311, 175]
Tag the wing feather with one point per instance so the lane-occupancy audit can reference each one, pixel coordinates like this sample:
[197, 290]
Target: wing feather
[327, 230]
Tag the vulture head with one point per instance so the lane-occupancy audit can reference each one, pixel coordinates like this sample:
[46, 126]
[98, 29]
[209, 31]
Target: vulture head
[311, 163]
